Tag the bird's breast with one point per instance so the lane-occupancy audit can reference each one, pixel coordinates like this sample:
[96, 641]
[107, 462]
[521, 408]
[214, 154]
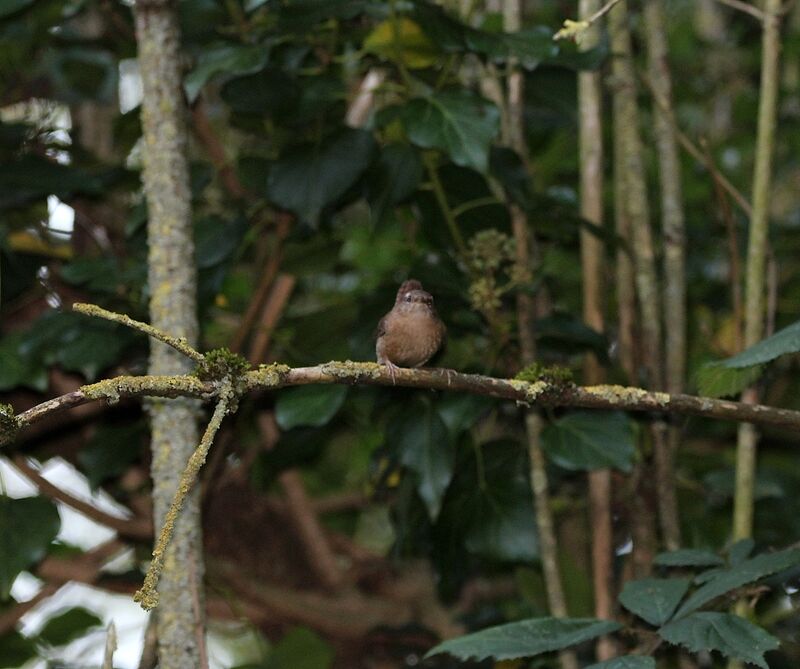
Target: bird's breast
[410, 339]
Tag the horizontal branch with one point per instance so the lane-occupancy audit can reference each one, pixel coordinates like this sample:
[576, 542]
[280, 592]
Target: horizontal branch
[542, 393]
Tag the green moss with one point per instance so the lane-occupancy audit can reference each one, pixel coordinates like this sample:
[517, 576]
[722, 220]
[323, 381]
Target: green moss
[9, 423]
[553, 374]
[221, 362]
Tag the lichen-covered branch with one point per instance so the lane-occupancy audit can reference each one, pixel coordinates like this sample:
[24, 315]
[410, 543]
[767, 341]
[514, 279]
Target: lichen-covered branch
[543, 392]
[147, 595]
[178, 343]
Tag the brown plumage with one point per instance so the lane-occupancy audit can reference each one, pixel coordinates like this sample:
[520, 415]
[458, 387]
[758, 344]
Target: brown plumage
[411, 332]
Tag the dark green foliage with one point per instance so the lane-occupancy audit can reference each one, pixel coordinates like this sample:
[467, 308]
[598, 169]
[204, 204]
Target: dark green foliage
[308, 405]
[65, 627]
[654, 599]
[730, 635]
[271, 83]
[27, 526]
[525, 638]
[591, 440]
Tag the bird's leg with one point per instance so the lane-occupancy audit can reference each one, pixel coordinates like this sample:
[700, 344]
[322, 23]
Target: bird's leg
[392, 370]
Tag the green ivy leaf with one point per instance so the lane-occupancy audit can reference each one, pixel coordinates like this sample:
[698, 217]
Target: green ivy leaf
[589, 440]
[393, 177]
[688, 557]
[27, 526]
[421, 439]
[311, 406]
[307, 179]
[654, 599]
[730, 635]
[300, 648]
[401, 39]
[489, 501]
[231, 59]
[270, 92]
[626, 662]
[525, 638]
[71, 624]
[459, 123]
[110, 451]
[745, 572]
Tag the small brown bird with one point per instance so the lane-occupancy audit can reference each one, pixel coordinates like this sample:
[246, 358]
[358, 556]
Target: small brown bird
[411, 332]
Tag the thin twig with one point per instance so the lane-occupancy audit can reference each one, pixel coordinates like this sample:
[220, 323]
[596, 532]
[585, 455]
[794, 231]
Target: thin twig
[574, 29]
[111, 646]
[745, 7]
[696, 153]
[147, 595]
[178, 343]
[133, 529]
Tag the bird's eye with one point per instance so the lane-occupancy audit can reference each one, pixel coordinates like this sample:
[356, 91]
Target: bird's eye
[408, 297]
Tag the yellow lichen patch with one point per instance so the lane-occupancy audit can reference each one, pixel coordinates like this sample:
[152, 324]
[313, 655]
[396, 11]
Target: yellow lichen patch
[352, 370]
[532, 391]
[267, 376]
[627, 394]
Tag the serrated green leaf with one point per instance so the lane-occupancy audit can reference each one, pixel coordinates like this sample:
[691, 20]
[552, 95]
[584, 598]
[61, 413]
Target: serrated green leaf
[714, 379]
[589, 440]
[69, 625]
[307, 179]
[459, 123]
[15, 650]
[740, 551]
[626, 662]
[730, 635]
[311, 406]
[421, 439]
[231, 59]
[688, 557]
[745, 572]
[782, 342]
[654, 599]
[27, 526]
[525, 638]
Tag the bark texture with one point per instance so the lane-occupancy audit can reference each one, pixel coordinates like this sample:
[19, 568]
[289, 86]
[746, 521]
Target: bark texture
[173, 309]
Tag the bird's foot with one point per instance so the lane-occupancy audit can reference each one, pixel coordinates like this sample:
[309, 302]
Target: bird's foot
[392, 371]
[448, 373]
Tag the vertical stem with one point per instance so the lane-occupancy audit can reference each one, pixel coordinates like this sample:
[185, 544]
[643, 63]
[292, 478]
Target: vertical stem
[635, 201]
[756, 257]
[514, 136]
[672, 222]
[592, 268]
[173, 309]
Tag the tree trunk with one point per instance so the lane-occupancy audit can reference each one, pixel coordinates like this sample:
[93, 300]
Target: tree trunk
[173, 309]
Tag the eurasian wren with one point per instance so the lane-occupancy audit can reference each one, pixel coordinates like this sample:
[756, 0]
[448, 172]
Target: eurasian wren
[411, 332]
